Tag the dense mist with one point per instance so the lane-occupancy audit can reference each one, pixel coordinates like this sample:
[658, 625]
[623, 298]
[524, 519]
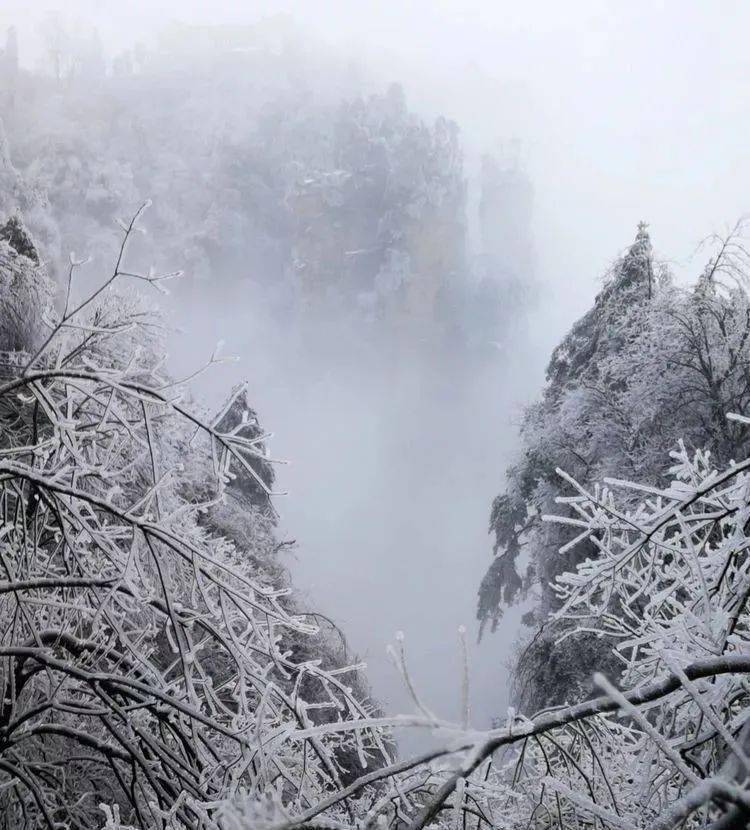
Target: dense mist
[393, 404]
[401, 265]
[396, 455]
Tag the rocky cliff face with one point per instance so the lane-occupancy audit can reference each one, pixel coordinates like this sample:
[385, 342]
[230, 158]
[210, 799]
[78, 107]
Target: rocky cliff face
[270, 165]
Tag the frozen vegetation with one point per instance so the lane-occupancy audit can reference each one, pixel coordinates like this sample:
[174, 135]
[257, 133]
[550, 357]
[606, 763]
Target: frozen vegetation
[159, 665]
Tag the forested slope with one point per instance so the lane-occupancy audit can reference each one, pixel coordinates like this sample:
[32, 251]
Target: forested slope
[141, 571]
[651, 364]
[272, 165]
[157, 669]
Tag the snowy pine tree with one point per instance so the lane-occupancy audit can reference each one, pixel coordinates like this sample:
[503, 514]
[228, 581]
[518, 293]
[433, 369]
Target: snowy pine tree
[650, 363]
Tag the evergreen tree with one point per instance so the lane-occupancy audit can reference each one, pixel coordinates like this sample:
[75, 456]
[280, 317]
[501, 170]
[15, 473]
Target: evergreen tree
[648, 364]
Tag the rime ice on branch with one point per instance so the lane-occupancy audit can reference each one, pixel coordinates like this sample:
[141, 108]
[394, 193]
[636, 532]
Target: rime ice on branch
[144, 657]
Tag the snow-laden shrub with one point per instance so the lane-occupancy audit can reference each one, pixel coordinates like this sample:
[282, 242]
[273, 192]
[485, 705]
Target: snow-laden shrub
[667, 591]
[145, 660]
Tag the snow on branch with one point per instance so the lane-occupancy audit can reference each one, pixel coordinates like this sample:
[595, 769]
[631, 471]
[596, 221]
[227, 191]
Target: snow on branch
[150, 669]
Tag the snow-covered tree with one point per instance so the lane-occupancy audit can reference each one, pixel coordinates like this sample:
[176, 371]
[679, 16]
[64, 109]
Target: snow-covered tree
[669, 747]
[155, 672]
[149, 656]
[314, 192]
[649, 364]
